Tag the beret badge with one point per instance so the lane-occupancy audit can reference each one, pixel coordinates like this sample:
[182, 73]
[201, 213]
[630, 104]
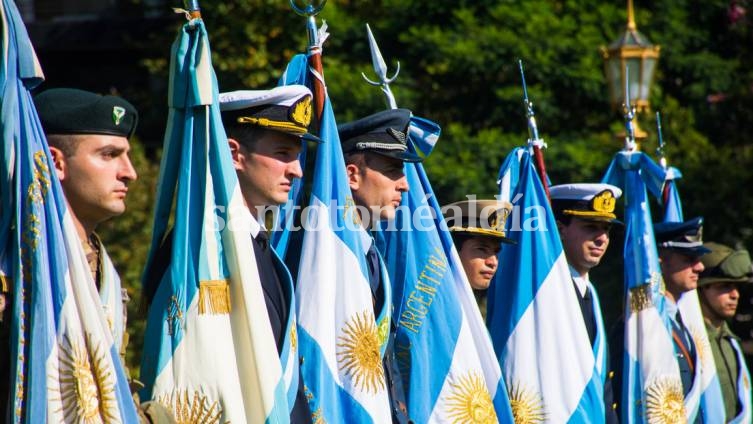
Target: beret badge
[118, 113]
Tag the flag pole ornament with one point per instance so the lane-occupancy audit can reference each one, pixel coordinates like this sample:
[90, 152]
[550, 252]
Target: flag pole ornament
[431, 291]
[380, 68]
[534, 141]
[629, 114]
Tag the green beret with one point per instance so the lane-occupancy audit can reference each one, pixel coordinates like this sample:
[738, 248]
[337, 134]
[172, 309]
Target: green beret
[724, 264]
[72, 111]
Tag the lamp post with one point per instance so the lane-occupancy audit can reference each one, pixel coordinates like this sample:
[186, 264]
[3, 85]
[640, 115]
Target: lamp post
[632, 52]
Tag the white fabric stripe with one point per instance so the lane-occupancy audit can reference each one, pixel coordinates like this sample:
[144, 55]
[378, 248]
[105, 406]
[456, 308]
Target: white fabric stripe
[245, 379]
[209, 236]
[743, 387]
[540, 330]
[82, 325]
[648, 342]
[705, 370]
[332, 291]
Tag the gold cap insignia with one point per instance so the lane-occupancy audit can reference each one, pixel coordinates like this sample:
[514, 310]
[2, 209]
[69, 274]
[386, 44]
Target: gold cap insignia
[498, 219]
[301, 111]
[604, 202]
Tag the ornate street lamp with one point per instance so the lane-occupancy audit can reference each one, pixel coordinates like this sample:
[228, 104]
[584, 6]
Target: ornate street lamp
[634, 52]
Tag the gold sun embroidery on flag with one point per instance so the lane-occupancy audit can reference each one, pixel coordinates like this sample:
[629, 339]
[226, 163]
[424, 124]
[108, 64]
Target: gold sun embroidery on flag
[469, 401]
[191, 409]
[293, 337]
[702, 347]
[640, 298]
[665, 402]
[358, 353]
[527, 405]
[86, 387]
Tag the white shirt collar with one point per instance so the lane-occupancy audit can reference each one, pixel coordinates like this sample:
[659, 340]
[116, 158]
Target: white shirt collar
[254, 226]
[366, 240]
[580, 282]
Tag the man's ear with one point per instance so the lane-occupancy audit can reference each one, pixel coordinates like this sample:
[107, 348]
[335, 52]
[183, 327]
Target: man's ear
[354, 176]
[235, 152]
[58, 158]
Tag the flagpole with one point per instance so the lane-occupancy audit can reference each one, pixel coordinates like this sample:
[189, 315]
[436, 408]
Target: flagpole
[310, 9]
[533, 132]
[662, 158]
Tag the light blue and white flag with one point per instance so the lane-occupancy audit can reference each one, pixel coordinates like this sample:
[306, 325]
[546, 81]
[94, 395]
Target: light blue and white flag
[743, 388]
[209, 353]
[341, 342]
[449, 370]
[706, 395]
[65, 365]
[651, 386]
[552, 372]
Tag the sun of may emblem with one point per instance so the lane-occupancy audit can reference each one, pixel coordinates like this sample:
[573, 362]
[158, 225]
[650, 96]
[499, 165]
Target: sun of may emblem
[86, 386]
[527, 406]
[195, 409]
[358, 353]
[665, 402]
[469, 401]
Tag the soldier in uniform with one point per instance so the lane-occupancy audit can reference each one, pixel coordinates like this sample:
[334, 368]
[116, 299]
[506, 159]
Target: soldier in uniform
[478, 229]
[726, 271]
[585, 215]
[680, 250]
[88, 139]
[375, 149]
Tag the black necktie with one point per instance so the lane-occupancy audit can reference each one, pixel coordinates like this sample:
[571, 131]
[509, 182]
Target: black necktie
[587, 310]
[274, 297]
[372, 259]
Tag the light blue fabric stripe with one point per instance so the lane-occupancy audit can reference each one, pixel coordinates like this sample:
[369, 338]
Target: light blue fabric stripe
[33, 251]
[426, 337]
[326, 396]
[514, 290]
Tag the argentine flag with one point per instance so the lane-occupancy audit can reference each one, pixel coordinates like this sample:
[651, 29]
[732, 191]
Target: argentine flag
[551, 371]
[65, 365]
[443, 349]
[707, 392]
[651, 386]
[209, 352]
[341, 342]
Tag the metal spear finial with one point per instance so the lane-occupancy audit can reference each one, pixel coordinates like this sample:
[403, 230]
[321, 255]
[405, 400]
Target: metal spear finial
[533, 130]
[380, 68]
[629, 111]
[660, 150]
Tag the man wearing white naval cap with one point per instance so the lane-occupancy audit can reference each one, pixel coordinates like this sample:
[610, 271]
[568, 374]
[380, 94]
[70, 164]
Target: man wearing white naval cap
[585, 214]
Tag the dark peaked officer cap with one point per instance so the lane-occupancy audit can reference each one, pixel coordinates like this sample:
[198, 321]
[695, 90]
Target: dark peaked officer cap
[287, 109]
[74, 111]
[385, 133]
[683, 237]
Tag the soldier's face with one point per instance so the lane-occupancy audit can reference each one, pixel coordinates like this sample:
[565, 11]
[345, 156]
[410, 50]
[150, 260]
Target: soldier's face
[479, 258]
[585, 242]
[95, 177]
[680, 272]
[378, 186]
[720, 300]
[266, 172]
